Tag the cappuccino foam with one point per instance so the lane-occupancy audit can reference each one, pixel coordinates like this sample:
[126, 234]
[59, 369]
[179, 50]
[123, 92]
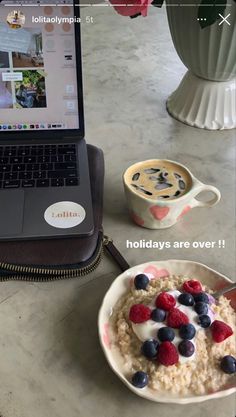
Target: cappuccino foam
[158, 179]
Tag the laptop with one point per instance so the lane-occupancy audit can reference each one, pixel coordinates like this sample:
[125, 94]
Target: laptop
[44, 177]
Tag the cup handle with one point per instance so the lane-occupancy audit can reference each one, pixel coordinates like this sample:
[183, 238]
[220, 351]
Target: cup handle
[199, 187]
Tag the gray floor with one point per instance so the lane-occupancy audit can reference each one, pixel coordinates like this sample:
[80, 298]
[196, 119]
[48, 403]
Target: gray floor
[51, 361]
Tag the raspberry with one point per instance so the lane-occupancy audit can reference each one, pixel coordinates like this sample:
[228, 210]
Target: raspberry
[167, 354]
[220, 331]
[165, 301]
[192, 286]
[176, 318]
[139, 313]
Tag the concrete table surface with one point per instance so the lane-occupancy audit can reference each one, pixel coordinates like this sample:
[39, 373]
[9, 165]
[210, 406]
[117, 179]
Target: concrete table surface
[51, 361]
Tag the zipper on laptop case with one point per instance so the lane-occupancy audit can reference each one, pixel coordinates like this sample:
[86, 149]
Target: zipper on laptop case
[13, 272]
[115, 254]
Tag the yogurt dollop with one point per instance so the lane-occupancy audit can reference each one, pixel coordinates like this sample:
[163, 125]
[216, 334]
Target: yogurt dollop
[149, 329]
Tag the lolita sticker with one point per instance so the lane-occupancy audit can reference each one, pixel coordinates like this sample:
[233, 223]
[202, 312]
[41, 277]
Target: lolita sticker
[64, 214]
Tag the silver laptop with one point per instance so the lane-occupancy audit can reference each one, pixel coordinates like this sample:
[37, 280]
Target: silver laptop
[44, 177]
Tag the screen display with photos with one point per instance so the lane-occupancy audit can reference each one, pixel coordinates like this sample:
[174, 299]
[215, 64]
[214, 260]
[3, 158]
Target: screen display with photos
[38, 77]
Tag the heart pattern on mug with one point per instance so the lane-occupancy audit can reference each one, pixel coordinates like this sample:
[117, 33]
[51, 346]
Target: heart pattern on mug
[137, 219]
[159, 212]
[184, 211]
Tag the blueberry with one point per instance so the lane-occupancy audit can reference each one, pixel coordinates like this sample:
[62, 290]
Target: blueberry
[141, 281]
[158, 315]
[149, 348]
[186, 299]
[140, 379]
[166, 334]
[228, 364]
[204, 320]
[201, 296]
[201, 308]
[186, 348]
[187, 331]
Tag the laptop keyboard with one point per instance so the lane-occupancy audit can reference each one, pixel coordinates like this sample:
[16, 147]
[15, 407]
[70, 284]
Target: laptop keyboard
[38, 166]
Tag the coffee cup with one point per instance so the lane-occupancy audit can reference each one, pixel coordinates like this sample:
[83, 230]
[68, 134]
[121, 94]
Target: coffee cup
[160, 192]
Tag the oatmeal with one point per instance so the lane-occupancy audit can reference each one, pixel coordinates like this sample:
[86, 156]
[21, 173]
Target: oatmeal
[173, 336]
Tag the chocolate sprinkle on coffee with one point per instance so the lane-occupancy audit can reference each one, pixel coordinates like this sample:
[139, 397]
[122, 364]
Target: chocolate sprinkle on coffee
[141, 189]
[162, 186]
[181, 184]
[161, 177]
[151, 170]
[136, 176]
[177, 193]
[153, 178]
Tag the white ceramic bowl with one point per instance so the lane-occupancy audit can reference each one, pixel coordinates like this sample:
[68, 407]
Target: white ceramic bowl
[121, 285]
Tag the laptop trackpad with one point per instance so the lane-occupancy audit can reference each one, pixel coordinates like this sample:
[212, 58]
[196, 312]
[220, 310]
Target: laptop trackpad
[11, 212]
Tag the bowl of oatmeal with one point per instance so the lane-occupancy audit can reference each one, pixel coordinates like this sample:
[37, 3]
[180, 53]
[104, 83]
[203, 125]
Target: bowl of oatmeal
[165, 335]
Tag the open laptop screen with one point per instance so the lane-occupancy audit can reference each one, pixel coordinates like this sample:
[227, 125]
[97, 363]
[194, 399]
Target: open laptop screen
[38, 77]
